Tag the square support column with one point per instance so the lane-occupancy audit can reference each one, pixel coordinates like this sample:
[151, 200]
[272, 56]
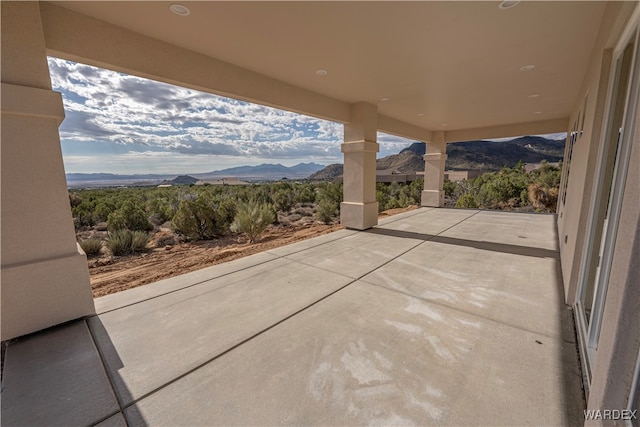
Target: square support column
[434, 164]
[359, 210]
[45, 279]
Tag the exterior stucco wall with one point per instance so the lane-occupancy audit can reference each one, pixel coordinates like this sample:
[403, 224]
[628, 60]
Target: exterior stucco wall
[573, 215]
[45, 279]
[619, 341]
[620, 334]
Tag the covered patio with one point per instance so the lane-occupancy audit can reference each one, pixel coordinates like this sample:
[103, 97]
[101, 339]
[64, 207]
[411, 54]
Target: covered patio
[434, 317]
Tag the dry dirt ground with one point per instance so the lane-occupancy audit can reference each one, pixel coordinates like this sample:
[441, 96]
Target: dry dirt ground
[114, 274]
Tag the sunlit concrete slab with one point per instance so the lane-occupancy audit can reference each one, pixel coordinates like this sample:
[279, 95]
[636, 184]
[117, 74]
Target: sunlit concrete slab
[55, 378]
[142, 293]
[430, 222]
[522, 291]
[355, 255]
[528, 230]
[149, 344]
[435, 317]
[311, 243]
[373, 356]
[117, 420]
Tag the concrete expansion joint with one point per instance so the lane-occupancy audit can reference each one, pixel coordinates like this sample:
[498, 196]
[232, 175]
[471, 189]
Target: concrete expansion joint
[405, 216]
[200, 282]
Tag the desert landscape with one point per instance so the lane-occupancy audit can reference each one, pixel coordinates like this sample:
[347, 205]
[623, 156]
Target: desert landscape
[110, 274]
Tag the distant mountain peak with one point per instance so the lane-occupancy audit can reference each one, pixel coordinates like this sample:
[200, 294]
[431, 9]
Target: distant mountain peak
[481, 155]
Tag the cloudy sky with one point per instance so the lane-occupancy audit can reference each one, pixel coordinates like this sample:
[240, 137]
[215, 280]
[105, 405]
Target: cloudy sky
[123, 124]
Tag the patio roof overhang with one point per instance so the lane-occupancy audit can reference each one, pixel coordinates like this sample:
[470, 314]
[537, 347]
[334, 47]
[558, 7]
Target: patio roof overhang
[455, 67]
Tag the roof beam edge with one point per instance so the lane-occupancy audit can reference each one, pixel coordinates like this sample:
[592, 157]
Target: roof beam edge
[402, 129]
[509, 130]
[73, 36]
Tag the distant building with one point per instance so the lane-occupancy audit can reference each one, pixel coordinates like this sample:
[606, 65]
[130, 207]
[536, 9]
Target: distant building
[390, 175]
[457, 176]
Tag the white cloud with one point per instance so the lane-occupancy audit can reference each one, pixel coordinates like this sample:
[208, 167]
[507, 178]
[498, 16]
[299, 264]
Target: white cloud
[105, 109]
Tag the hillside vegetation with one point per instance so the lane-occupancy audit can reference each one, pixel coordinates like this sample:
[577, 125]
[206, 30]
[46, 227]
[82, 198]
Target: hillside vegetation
[472, 155]
[508, 189]
[126, 219]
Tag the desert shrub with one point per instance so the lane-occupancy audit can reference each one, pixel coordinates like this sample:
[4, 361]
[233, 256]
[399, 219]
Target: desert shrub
[543, 198]
[75, 199]
[327, 210]
[139, 240]
[305, 193]
[128, 217]
[102, 211]
[119, 242]
[168, 239]
[330, 191]
[205, 217]
[449, 188]
[252, 218]
[91, 246]
[466, 201]
[283, 199]
[122, 242]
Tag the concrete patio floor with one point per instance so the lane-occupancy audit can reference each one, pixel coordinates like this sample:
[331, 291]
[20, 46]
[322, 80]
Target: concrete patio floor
[435, 317]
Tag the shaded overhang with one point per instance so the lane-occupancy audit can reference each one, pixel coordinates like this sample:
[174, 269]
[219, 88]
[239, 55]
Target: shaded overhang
[459, 67]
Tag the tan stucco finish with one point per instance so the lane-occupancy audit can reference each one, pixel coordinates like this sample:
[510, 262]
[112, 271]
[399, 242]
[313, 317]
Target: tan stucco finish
[45, 280]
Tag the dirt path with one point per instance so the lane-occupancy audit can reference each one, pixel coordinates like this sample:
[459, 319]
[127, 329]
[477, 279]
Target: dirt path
[115, 274]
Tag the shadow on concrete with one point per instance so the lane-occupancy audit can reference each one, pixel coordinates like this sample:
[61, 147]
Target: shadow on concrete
[487, 246]
[112, 364]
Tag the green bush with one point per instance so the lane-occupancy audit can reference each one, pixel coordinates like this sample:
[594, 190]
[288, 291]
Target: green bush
[466, 201]
[205, 217]
[252, 218]
[128, 217]
[121, 242]
[91, 246]
[139, 241]
[327, 210]
[283, 200]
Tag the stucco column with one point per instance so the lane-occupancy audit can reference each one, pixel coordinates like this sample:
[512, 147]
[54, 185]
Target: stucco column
[359, 210]
[45, 279]
[434, 161]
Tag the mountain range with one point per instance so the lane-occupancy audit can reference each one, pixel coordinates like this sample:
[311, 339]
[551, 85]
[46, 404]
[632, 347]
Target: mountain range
[264, 171]
[478, 155]
[472, 155]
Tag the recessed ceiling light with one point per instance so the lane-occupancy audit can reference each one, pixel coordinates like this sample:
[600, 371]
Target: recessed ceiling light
[179, 9]
[527, 68]
[508, 4]
[421, 115]
[535, 95]
[385, 99]
[321, 72]
[537, 112]
[444, 125]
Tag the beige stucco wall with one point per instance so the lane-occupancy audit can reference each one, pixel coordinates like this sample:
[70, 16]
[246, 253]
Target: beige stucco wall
[45, 280]
[573, 216]
[619, 340]
[620, 331]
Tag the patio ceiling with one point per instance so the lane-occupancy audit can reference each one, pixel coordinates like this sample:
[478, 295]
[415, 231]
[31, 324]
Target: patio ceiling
[440, 63]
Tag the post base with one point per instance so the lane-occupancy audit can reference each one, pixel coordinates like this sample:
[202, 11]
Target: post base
[432, 198]
[359, 216]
